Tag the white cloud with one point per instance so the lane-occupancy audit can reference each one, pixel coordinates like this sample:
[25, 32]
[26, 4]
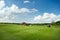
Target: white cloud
[26, 1]
[46, 18]
[34, 10]
[2, 4]
[37, 17]
[24, 10]
[7, 13]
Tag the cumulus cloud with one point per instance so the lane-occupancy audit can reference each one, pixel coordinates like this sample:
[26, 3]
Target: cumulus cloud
[2, 4]
[26, 1]
[46, 18]
[34, 10]
[7, 13]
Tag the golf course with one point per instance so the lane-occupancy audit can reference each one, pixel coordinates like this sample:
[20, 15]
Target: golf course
[31, 32]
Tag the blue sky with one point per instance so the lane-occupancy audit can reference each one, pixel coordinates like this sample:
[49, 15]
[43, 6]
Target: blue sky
[31, 11]
[41, 5]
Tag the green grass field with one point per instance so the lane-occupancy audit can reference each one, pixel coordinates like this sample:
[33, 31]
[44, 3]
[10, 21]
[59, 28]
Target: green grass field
[33, 32]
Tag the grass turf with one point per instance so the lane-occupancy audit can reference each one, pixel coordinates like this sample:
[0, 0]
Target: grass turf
[33, 32]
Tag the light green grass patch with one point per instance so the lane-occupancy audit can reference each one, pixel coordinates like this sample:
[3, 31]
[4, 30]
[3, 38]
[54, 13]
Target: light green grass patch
[21, 32]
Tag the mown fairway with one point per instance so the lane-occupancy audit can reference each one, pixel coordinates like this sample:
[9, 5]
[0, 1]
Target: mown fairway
[33, 32]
